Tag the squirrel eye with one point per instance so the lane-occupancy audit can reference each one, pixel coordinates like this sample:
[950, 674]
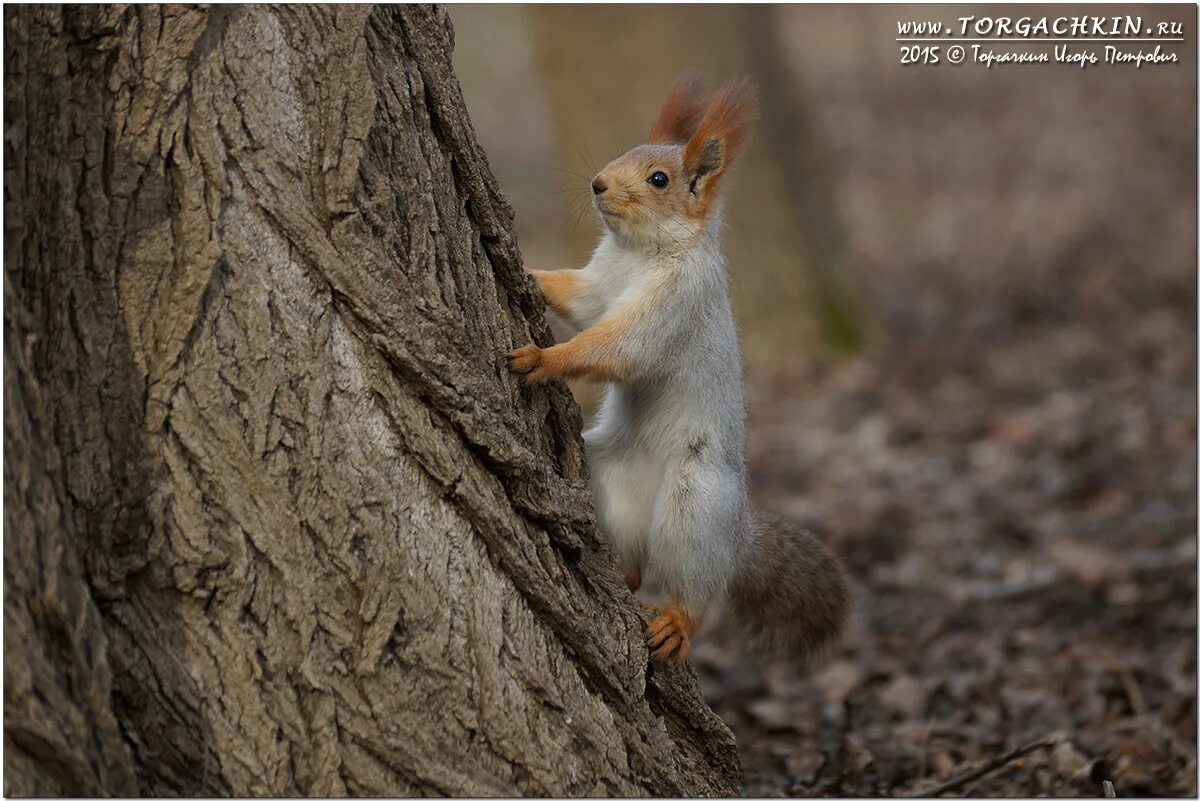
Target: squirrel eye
[658, 180]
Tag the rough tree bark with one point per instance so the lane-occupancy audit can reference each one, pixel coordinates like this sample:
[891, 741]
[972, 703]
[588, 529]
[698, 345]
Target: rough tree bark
[277, 521]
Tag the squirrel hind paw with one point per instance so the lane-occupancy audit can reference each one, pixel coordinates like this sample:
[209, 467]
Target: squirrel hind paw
[670, 635]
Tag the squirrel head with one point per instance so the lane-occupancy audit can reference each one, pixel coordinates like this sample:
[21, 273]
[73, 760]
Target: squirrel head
[664, 192]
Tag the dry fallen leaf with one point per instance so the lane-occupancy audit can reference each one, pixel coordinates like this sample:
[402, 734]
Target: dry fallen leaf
[1068, 760]
[905, 695]
[838, 680]
[1089, 564]
[942, 764]
[773, 713]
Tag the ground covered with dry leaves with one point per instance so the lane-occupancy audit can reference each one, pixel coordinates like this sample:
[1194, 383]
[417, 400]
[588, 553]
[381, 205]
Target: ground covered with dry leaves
[1023, 556]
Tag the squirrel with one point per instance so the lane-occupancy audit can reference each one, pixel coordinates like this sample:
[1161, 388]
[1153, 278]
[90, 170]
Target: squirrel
[667, 449]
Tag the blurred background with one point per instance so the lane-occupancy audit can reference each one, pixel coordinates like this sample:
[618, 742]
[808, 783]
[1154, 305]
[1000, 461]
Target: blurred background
[968, 305]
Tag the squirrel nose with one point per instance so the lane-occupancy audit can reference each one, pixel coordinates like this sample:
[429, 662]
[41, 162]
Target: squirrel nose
[598, 187]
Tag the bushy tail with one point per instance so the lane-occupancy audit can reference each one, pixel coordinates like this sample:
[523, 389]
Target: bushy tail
[793, 590]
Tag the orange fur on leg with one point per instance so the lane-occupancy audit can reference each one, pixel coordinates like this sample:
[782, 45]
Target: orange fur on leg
[557, 286]
[670, 634]
[591, 354]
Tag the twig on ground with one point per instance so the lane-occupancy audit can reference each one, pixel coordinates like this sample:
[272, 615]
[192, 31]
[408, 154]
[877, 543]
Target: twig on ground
[991, 765]
[1129, 683]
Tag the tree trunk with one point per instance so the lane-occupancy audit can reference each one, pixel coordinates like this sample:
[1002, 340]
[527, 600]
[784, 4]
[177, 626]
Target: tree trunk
[277, 519]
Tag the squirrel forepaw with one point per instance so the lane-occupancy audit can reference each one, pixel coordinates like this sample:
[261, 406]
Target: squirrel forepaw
[670, 633]
[527, 360]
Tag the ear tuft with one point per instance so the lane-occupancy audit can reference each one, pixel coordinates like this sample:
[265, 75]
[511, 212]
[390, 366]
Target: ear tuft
[727, 122]
[686, 103]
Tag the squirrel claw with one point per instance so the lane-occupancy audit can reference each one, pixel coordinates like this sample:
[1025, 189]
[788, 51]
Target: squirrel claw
[673, 650]
[670, 634]
[664, 651]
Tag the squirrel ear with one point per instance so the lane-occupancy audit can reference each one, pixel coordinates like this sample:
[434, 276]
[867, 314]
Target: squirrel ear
[681, 111]
[722, 132]
[708, 158]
